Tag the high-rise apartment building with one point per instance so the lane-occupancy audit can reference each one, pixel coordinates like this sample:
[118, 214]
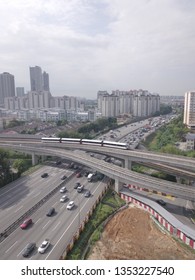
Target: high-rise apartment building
[139, 103]
[100, 95]
[45, 81]
[189, 109]
[19, 91]
[39, 81]
[7, 86]
[110, 106]
[36, 78]
[39, 99]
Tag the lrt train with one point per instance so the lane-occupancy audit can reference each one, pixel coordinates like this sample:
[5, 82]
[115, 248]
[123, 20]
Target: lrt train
[101, 143]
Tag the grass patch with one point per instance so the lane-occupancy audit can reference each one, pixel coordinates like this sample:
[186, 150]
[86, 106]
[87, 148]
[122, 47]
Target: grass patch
[96, 235]
[92, 231]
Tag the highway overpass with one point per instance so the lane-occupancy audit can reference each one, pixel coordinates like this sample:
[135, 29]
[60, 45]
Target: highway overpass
[119, 174]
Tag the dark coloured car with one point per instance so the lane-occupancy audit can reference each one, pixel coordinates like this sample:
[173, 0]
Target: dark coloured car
[87, 194]
[50, 212]
[58, 162]
[63, 177]
[76, 166]
[29, 248]
[100, 176]
[107, 159]
[71, 165]
[26, 223]
[86, 173]
[77, 185]
[44, 175]
[161, 202]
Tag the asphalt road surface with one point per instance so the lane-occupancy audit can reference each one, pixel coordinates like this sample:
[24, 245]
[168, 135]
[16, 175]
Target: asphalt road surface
[18, 197]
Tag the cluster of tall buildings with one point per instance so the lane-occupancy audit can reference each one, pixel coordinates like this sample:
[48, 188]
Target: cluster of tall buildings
[39, 82]
[39, 96]
[139, 103]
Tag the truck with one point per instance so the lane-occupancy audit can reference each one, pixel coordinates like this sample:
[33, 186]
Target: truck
[89, 177]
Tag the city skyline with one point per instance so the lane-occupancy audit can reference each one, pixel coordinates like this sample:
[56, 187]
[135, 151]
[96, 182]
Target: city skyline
[86, 46]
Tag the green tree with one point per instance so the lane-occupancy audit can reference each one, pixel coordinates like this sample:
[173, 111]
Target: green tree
[4, 168]
[20, 165]
[166, 137]
[14, 123]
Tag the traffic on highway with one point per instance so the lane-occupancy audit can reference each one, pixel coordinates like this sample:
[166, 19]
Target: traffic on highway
[49, 229]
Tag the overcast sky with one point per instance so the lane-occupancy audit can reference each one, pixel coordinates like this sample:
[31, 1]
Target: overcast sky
[91, 45]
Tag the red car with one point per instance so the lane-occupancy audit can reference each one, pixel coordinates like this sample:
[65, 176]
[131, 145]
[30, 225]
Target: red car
[26, 223]
[78, 175]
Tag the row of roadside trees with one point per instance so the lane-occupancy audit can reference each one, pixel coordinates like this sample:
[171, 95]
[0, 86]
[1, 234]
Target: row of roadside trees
[166, 139]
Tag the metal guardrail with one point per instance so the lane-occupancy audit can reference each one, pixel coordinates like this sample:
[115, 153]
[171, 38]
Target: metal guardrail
[15, 224]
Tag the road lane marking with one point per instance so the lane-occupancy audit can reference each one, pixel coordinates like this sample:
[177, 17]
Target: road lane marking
[46, 224]
[37, 220]
[6, 203]
[11, 247]
[13, 187]
[56, 226]
[54, 204]
[30, 193]
[20, 252]
[18, 209]
[9, 208]
[62, 207]
[37, 194]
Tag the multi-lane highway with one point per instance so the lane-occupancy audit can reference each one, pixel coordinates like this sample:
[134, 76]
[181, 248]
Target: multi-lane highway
[22, 194]
[19, 196]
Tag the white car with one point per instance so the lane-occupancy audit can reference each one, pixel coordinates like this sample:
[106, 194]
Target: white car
[63, 190]
[43, 247]
[70, 205]
[80, 188]
[63, 198]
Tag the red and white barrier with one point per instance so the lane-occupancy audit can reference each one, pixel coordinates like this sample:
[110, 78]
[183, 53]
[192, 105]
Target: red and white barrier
[170, 228]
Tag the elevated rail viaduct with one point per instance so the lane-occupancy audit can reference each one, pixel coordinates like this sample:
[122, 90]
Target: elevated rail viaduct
[119, 174]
